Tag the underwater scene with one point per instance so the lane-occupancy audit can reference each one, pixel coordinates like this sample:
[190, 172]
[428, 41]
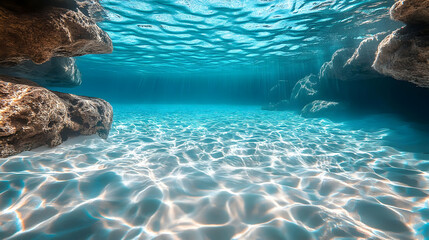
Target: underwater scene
[214, 119]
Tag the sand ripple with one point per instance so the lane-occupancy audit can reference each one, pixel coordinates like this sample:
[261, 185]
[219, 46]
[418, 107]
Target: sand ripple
[199, 172]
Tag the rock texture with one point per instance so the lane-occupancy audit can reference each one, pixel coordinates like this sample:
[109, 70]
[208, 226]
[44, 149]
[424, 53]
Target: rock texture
[359, 65]
[49, 31]
[321, 108]
[330, 72]
[57, 72]
[404, 54]
[32, 116]
[351, 65]
[412, 12]
[305, 91]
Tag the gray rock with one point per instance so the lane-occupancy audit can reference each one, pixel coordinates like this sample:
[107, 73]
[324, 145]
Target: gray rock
[404, 55]
[319, 108]
[32, 116]
[305, 91]
[57, 72]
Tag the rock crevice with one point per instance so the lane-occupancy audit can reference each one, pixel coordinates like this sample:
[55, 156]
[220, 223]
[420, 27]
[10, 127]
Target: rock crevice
[38, 40]
[33, 116]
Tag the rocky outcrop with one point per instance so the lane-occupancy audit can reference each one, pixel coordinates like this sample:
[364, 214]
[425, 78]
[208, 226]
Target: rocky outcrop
[56, 28]
[330, 73]
[319, 108]
[350, 65]
[404, 54]
[305, 91]
[411, 12]
[32, 116]
[57, 72]
[359, 65]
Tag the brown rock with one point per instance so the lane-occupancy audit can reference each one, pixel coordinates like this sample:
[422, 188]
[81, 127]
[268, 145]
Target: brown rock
[404, 55]
[32, 116]
[358, 66]
[49, 32]
[411, 11]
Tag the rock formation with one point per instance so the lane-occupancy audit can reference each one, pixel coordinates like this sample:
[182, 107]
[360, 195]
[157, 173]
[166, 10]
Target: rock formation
[330, 73]
[412, 12]
[38, 38]
[305, 91]
[57, 72]
[32, 116]
[359, 65]
[350, 65]
[404, 54]
[364, 77]
[321, 108]
[51, 30]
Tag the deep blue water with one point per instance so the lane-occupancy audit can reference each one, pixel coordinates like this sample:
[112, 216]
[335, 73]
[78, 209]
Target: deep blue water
[191, 155]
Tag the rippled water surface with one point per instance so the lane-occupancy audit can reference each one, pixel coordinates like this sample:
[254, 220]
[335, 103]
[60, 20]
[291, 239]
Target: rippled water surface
[196, 35]
[213, 172]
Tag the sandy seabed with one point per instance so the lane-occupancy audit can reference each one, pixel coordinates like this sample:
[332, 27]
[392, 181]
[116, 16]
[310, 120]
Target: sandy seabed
[223, 172]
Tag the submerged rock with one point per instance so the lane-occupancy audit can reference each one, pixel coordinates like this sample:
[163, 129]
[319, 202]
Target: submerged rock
[47, 32]
[411, 11]
[404, 55]
[321, 108]
[32, 116]
[359, 65]
[57, 72]
[350, 65]
[305, 91]
[331, 71]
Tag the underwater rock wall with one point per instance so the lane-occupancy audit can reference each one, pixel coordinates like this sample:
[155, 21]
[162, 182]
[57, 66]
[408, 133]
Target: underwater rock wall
[49, 32]
[38, 39]
[404, 54]
[368, 75]
[33, 116]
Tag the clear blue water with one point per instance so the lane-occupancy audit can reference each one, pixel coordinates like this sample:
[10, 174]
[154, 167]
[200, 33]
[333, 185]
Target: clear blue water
[223, 172]
[217, 51]
[224, 169]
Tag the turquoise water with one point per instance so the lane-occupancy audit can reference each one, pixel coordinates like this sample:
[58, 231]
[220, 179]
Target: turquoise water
[192, 156]
[213, 51]
[223, 172]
